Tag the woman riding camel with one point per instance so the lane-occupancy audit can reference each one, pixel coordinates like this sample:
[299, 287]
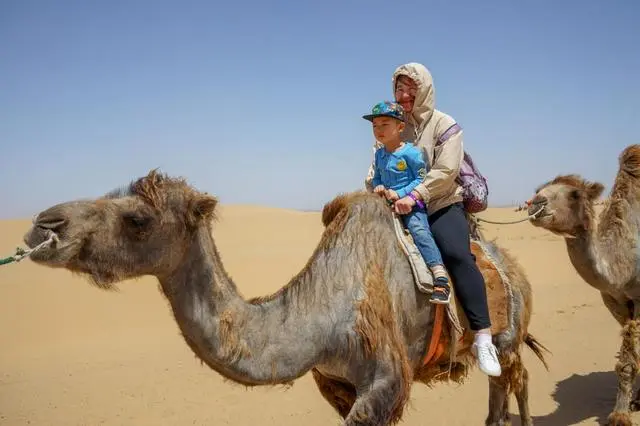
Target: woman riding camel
[440, 138]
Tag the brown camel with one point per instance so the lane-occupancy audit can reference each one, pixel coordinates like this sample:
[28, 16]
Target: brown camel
[605, 254]
[352, 315]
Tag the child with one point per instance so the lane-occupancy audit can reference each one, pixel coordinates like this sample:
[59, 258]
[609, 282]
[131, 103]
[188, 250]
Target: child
[399, 168]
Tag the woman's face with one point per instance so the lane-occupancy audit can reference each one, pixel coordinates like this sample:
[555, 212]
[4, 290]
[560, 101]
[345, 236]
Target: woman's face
[406, 92]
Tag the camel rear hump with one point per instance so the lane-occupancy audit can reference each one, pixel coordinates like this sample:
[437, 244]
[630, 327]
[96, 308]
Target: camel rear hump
[630, 160]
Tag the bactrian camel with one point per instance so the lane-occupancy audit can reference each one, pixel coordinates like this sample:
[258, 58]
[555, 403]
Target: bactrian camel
[604, 252]
[352, 316]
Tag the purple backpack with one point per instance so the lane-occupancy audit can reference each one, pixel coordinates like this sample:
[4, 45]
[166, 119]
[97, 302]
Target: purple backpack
[474, 185]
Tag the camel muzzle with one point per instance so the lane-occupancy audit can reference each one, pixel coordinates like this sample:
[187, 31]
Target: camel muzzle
[48, 224]
[37, 235]
[44, 225]
[536, 207]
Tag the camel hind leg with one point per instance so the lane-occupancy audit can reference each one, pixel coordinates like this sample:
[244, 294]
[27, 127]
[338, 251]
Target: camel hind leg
[522, 396]
[520, 377]
[514, 379]
[498, 402]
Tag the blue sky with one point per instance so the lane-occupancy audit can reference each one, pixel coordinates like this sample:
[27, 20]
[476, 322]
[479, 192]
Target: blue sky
[261, 102]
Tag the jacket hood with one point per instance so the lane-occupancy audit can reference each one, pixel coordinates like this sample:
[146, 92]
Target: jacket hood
[424, 103]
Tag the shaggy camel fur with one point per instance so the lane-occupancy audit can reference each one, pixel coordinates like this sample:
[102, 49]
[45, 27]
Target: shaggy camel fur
[605, 254]
[352, 316]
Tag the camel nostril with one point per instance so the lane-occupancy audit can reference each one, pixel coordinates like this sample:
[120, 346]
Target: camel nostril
[53, 224]
[537, 200]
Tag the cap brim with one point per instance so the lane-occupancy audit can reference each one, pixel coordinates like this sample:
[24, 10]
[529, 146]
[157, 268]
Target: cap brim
[370, 117]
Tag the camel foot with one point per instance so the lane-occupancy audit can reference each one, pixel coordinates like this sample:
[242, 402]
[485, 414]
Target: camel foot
[619, 419]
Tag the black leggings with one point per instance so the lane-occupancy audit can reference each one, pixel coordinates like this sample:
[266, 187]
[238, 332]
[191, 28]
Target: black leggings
[451, 232]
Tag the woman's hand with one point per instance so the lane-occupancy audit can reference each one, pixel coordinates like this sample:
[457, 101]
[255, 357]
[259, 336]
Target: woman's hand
[404, 205]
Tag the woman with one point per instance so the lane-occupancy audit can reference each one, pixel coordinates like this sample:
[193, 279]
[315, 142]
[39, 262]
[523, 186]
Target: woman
[413, 89]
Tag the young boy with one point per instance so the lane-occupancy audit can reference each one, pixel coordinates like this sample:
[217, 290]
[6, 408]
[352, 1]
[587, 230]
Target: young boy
[399, 168]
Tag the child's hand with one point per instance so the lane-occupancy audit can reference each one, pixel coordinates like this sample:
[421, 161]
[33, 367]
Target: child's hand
[391, 195]
[379, 190]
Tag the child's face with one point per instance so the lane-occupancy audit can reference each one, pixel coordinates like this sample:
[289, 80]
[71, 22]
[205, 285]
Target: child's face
[387, 130]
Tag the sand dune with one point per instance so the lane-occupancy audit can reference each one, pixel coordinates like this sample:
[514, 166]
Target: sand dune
[75, 355]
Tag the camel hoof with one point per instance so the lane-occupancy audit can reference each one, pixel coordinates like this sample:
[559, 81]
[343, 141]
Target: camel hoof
[619, 419]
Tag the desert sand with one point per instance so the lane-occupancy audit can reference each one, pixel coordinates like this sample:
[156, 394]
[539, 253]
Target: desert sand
[73, 354]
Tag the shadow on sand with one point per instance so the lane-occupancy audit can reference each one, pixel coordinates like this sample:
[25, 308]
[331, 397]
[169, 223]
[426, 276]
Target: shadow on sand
[580, 398]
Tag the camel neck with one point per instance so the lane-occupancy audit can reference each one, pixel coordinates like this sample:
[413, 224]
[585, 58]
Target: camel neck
[603, 257]
[245, 342]
[585, 255]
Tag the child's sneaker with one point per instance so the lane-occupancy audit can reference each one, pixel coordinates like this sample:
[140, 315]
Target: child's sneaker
[441, 293]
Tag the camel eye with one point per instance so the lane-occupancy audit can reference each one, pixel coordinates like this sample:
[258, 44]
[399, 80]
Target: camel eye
[574, 194]
[136, 222]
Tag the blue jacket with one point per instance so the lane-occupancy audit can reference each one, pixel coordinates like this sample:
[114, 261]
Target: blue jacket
[401, 171]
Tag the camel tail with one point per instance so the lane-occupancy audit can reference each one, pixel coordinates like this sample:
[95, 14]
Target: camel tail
[537, 348]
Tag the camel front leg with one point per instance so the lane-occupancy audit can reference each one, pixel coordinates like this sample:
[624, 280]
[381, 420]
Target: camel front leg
[626, 370]
[340, 395]
[379, 403]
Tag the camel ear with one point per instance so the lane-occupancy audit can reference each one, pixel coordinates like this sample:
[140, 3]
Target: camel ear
[203, 207]
[594, 190]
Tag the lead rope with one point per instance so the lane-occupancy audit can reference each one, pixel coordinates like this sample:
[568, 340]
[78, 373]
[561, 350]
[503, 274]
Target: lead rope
[22, 253]
[511, 222]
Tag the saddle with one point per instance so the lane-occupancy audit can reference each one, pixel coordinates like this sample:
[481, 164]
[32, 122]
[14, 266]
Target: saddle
[498, 289]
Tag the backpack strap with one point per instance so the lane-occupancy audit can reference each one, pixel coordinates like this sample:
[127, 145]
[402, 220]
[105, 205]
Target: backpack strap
[455, 128]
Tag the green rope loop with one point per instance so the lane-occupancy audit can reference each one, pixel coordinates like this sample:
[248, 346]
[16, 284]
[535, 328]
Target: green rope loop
[7, 260]
[20, 253]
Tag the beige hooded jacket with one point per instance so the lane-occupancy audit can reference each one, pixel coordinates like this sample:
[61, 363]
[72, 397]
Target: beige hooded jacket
[424, 127]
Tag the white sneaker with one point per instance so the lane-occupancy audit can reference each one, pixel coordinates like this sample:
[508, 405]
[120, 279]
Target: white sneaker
[487, 356]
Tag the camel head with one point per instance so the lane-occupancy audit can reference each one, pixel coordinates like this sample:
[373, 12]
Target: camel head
[567, 204]
[142, 229]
